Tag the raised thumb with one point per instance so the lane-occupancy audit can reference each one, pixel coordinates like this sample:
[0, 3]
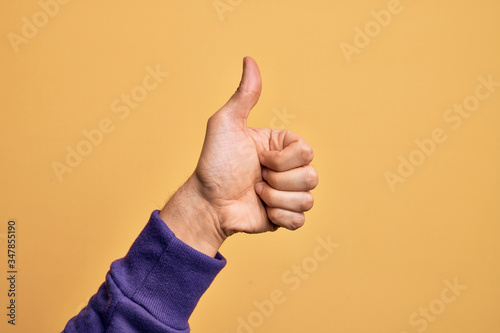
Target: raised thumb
[248, 92]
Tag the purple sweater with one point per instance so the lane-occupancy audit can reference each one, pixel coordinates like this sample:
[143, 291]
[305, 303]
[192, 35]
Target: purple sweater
[153, 289]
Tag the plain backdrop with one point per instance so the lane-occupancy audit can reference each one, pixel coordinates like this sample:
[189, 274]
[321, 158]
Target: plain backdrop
[361, 87]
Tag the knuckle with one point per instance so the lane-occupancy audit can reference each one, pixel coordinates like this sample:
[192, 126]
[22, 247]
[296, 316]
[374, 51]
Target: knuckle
[307, 202]
[249, 92]
[311, 178]
[306, 153]
[297, 221]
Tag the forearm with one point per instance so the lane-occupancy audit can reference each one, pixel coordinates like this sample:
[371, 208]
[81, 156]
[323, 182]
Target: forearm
[154, 288]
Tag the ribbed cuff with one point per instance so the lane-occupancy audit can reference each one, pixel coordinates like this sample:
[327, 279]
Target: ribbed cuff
[164, 275]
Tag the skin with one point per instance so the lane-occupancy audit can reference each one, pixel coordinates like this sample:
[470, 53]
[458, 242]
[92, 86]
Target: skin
[247, 179]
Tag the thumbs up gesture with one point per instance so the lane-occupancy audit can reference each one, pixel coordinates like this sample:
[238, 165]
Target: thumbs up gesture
[247, 179]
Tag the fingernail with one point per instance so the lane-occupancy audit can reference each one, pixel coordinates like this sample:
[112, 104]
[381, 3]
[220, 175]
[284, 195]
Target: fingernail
[264, 173]
[258, 187]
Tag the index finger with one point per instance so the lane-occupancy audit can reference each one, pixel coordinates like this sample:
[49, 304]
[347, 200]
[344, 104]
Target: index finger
[295, 152]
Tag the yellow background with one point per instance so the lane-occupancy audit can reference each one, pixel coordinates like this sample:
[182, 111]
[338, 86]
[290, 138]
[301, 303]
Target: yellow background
[396, 248]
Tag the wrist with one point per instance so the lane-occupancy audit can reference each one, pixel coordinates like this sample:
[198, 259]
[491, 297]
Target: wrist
[192, 219]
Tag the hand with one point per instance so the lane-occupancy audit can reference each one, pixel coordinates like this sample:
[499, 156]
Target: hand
[247, 179]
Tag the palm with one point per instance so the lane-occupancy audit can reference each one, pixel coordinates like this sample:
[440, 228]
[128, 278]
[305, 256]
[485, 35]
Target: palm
[227, 193]
[229, 168]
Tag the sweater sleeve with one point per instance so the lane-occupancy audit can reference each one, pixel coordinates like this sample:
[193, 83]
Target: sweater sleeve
[153, 289]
